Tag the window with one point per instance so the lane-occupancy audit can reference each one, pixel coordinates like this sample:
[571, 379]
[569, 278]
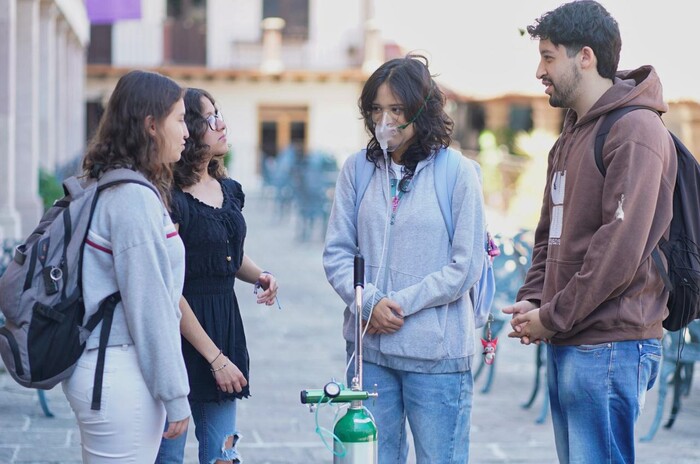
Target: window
[281, 127]
[295, 14]
[268, 138]
[477, 117]
[183, 8]
[93, 114]
[520, 118]
[185, 32]
[100, 48]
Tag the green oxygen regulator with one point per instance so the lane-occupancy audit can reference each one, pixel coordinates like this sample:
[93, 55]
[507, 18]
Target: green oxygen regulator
[354, 434]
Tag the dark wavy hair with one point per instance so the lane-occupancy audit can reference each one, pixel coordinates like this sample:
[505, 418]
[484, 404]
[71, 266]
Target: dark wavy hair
[413, 85]
[122, 139]
[196, 151]
[583, 23]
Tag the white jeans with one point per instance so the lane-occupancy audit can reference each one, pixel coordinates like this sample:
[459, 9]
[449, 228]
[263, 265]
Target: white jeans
[129, 425]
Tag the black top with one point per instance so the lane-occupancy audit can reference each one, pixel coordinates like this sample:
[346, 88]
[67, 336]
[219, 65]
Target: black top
[213, 239]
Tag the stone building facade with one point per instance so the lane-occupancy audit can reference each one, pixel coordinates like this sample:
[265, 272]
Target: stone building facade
[42, 77]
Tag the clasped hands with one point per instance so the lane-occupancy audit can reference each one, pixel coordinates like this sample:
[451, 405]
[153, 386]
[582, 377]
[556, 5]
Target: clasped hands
[526, 323]
[387, 318]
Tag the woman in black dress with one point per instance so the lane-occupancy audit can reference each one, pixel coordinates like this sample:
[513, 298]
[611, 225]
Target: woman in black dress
[207, 206]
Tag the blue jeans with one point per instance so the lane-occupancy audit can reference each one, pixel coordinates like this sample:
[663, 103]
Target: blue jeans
[214, 424]
[438, 408]
[597, 393]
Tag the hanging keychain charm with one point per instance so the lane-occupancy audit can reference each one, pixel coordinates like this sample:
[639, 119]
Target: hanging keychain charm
[489, 344]
[491, 248]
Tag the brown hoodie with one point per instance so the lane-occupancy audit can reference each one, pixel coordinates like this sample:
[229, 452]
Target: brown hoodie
[591, 268]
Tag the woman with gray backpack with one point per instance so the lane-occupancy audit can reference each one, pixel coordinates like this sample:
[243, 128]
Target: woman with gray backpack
[133, 248]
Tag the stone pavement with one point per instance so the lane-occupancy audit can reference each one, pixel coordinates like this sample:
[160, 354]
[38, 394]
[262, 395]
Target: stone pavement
[301, 347]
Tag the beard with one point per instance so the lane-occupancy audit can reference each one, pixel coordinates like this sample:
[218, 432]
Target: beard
[565, 90]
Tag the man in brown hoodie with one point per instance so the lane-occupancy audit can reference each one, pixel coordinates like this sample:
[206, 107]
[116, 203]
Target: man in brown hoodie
[593, 293]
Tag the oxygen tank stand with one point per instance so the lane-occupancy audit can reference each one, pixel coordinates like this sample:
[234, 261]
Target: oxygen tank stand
[355, 434]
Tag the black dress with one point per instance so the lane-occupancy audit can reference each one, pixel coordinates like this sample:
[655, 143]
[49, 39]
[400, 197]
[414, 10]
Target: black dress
[213, 239]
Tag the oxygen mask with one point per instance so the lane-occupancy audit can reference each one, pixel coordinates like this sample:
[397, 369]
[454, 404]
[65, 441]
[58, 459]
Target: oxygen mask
[384, 131]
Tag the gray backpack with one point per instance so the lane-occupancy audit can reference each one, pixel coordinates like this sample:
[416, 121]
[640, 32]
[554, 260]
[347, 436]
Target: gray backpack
[41, 291]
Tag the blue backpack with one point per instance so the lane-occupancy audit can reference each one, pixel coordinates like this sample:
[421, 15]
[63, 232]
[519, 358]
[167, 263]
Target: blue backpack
[446, 163]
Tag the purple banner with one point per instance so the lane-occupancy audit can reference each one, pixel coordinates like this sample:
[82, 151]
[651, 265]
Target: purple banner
[109, 11]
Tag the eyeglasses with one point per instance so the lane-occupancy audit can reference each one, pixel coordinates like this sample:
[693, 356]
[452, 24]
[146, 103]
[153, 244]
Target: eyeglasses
[212, 120]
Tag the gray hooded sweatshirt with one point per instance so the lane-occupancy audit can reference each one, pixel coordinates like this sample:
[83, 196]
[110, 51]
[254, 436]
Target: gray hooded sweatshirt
[411, 262]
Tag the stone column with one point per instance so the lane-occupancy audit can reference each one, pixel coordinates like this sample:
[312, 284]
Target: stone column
[75, 100]
[374, 47]
[47, 85]
[61, 116]
[272, 46]
[9, 218]
[29, 203]
[80, 64]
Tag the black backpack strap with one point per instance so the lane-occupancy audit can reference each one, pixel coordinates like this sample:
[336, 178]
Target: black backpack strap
[106, 312]
[608, 121]
[660, 267]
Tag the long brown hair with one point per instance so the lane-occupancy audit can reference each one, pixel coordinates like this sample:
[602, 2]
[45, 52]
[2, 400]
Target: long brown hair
[122, 140]
[186, 170]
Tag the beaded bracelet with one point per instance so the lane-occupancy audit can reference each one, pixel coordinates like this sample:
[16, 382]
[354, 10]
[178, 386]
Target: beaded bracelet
[219, 368]
[217, 357]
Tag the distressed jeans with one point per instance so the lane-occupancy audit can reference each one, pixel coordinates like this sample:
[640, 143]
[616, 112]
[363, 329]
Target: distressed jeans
[597, 393]
[214, 423]
[438, 408]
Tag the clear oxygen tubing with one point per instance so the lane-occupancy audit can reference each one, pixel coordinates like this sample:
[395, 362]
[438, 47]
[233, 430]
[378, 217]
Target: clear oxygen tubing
[385, 132]
[324, 432]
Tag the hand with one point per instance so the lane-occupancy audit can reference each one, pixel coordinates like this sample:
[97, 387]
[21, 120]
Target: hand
[520, 307]
[269, 284]
[229, 379]
[529, 329]
[387, 317]
[370, 329]
[175, 429]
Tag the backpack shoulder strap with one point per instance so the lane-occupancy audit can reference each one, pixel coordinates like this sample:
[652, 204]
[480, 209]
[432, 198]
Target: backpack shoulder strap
[105, 312]
[363, 174]
[608, 121]
[446, 165]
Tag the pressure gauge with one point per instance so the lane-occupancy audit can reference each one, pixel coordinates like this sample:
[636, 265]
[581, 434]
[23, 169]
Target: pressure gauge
[332, 389]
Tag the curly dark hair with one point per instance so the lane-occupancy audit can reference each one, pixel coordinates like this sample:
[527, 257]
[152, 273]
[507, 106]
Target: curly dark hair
[583, 23]
[413, 85]
[186, 170]
[121, 139]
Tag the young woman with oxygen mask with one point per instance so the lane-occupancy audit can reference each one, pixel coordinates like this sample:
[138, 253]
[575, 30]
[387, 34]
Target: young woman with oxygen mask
[419, 321]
